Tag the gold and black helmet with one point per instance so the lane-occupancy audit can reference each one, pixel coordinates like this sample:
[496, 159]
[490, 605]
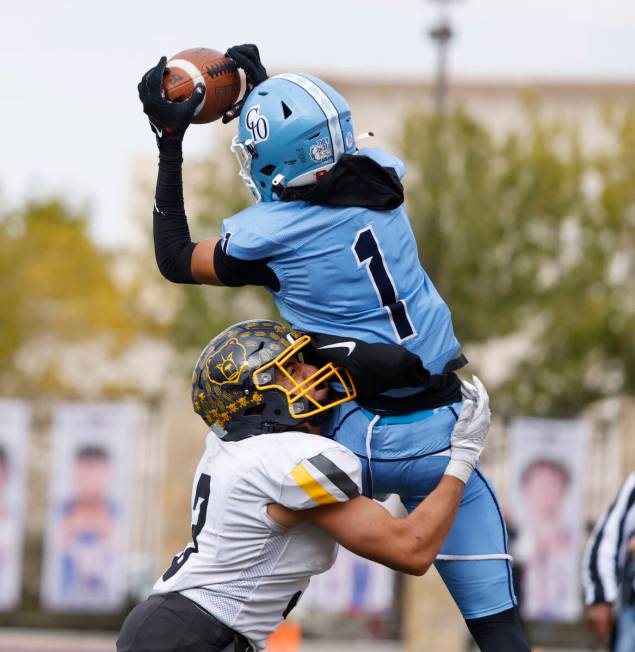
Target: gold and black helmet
[235, 385]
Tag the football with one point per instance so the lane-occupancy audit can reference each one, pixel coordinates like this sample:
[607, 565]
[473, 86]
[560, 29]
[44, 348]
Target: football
[219, 74]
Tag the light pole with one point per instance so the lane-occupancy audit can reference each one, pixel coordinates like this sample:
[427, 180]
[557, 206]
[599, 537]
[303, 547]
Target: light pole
[441, 35]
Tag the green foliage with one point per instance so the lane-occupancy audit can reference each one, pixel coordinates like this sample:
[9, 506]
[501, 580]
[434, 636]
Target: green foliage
[55, 286]
[529, 234]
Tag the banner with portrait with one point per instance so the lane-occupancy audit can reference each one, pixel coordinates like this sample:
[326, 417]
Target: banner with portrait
[548, 460]
[87, 529]
[15, 421]
[353, 586]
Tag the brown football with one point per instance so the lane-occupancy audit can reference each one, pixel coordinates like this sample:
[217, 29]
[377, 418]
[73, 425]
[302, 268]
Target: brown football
[219, 74]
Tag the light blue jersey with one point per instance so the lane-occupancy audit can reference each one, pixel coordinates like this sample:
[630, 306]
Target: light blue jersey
[348, 271]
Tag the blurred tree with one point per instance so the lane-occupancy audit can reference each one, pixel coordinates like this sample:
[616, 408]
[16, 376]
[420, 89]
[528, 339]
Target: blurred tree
[529, 235]
[56, 287]
[204, 311]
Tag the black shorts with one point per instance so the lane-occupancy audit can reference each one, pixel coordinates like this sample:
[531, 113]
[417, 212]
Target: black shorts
[170, 622]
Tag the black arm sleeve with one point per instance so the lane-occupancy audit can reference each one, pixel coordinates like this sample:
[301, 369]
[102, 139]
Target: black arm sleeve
[375, 368]
[235, 272]
[379, 367]
[173, 245]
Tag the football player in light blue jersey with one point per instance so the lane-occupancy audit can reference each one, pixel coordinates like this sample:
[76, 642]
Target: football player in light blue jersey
[330, 238]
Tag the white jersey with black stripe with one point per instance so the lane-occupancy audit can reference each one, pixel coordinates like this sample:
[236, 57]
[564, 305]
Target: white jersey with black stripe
[241, 566]
[606, 549]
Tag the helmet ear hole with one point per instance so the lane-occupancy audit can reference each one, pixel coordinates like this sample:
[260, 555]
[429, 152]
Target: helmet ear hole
[286, 111]
[268, 169]
[256, 410]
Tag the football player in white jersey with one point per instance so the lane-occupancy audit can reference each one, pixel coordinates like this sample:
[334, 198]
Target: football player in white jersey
[271, 498]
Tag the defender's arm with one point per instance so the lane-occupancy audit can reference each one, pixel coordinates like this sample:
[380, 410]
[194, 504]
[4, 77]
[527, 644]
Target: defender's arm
[411, 544]
[407, 544]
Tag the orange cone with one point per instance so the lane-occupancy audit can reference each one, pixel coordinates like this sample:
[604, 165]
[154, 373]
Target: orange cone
[286, 638]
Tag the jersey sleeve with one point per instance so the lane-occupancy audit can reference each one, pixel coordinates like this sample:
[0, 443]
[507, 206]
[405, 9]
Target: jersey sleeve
[242, 240]
[331, 476]
[385, 159]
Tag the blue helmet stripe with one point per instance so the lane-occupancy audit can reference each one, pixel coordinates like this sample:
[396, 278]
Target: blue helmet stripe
[325, 103]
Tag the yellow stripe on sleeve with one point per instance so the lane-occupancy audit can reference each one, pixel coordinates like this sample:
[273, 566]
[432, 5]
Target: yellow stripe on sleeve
[311, 487]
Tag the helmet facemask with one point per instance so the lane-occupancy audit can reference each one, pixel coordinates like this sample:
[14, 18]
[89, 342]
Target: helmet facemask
[302, 405]
[244, 153]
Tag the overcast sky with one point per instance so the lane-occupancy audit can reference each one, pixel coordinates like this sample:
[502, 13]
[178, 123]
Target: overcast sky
[70, 118]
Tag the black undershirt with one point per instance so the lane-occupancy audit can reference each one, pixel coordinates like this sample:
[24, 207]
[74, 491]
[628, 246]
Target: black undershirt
[235, 272]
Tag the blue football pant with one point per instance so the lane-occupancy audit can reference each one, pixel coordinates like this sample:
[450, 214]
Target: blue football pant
[473, 562]
[408, 457]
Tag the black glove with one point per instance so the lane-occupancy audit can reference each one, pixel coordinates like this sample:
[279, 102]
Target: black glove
[168, 120]
[248, 58]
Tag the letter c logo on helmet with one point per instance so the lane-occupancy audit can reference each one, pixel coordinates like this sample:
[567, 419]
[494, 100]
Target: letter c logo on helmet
[257, 124]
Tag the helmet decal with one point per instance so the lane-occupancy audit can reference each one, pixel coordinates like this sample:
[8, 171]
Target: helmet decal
[226, 365]
[320, 150]
[257, 124]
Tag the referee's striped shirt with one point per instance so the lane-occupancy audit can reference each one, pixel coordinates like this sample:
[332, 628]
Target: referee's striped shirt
[606, 550]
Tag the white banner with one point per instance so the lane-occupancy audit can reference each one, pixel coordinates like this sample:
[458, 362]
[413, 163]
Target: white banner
[15, 420]
[548, 459]
[353, 585]
[86, 540]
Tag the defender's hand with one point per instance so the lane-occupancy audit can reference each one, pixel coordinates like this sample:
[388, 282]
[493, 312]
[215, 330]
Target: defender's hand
[470, 431]
[168, 120]
[248, 58]
[600, 619]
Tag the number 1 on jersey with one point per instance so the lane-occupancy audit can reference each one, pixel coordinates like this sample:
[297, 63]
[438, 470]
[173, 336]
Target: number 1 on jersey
[369, 254]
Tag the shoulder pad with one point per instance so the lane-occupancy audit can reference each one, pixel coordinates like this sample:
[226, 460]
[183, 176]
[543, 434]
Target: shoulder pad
[384, 159]
[249, 234]
[331, 475]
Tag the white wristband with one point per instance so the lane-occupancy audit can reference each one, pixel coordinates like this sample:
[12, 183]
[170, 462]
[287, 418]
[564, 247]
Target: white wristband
[459, 469]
